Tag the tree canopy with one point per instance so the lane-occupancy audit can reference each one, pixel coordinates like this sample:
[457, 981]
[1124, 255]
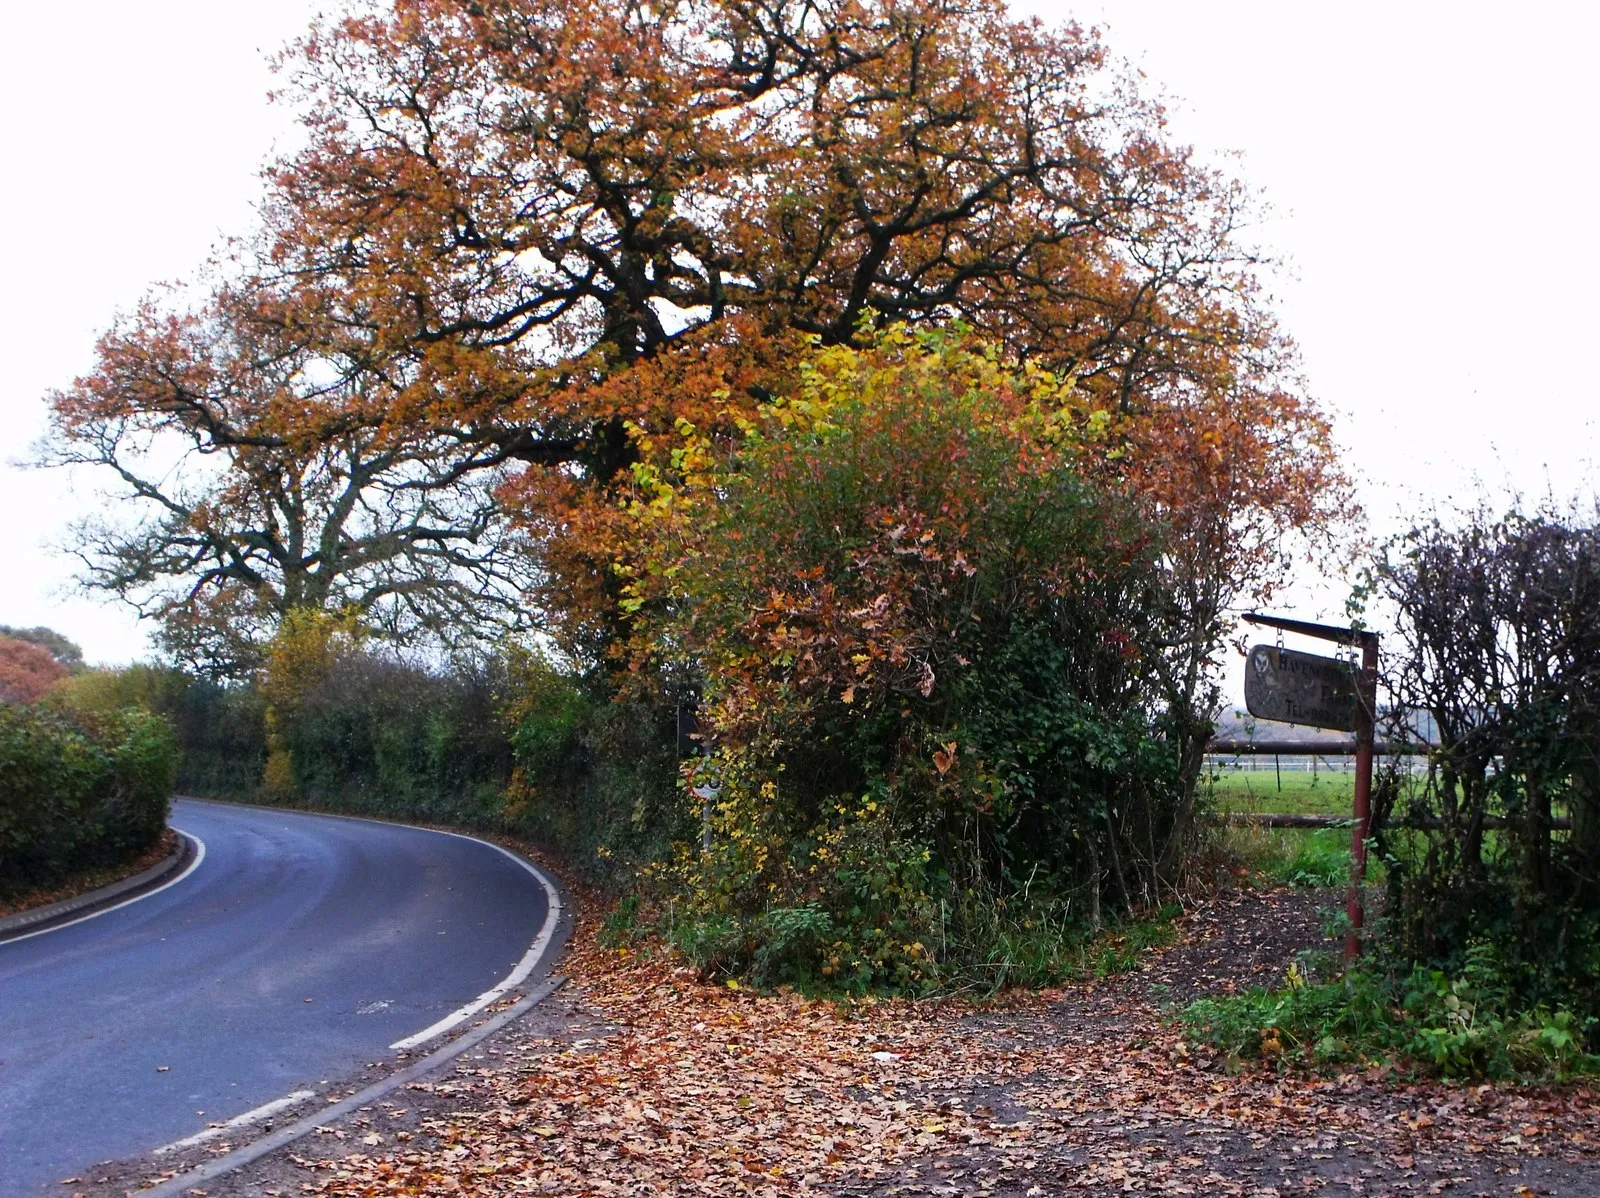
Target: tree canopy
[524, 238]
[27, 671]
[58, 646]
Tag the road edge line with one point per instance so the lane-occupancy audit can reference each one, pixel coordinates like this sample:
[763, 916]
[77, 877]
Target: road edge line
[530, 960]
[240, 1157]
[519, 972]
[87, 906]
[265, 1111]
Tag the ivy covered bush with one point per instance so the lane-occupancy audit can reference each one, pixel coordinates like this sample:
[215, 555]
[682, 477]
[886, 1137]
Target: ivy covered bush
[79, 792]
[929, 644]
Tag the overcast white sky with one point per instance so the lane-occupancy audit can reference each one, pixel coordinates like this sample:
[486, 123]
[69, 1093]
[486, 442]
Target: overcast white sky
[1431, 169]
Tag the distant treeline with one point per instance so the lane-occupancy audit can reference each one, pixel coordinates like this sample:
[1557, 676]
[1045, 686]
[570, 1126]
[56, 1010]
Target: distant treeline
[508, 744]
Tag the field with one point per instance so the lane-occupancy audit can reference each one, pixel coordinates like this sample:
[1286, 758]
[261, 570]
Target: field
[1304, 857]
[1300, 792]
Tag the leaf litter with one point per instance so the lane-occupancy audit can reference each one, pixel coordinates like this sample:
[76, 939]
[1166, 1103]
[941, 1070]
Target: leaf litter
[643, 1079]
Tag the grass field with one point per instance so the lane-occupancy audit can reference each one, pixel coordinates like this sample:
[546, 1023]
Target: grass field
[1309, 857]
[1322, 793]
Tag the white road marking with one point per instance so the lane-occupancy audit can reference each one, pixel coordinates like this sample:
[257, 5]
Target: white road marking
[517, 975]
[264, 1111]
[199, 856]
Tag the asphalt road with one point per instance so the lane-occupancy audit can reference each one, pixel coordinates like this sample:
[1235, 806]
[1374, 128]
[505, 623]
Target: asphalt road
[298, 952]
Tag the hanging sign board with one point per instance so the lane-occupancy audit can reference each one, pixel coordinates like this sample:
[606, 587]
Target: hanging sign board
[1301, 688]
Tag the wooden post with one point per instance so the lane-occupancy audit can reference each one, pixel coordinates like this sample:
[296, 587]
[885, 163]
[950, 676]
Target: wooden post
[1365, 718]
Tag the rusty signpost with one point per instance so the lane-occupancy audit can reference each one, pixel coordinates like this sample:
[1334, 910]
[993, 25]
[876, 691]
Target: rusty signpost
[1324, 692]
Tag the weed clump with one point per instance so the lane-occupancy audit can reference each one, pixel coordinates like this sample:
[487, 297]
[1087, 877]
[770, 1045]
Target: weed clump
[1419, 1020]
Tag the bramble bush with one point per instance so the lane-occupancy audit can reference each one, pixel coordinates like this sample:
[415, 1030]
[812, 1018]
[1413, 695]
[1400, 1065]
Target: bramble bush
[927, 646]
[80, 792]
[1498, 840]
[1486, 959]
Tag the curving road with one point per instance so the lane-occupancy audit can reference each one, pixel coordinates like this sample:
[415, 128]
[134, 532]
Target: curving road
[301, 949]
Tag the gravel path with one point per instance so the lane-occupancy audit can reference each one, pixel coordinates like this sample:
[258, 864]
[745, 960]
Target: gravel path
[1196, 1130]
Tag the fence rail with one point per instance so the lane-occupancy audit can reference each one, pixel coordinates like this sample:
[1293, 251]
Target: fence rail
[1309, 748]
[1278, 819]
[1319, 748]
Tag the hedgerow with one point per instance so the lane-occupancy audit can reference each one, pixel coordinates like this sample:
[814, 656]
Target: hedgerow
[930, 648]
[79, 792]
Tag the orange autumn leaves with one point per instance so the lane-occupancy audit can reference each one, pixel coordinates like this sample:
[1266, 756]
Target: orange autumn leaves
[523, 240]
[830, 548]
[752, 543]
[28, 672]
[932, 602]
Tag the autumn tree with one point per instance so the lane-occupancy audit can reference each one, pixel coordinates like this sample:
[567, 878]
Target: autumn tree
[542, 233]
[27, 671]
[58, 646]
[255, 476]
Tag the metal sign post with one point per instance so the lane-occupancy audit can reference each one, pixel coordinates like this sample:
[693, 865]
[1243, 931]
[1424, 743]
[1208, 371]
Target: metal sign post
[1366, 714]
[1301, 688]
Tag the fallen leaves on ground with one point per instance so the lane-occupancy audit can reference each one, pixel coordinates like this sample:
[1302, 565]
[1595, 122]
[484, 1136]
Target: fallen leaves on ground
[691, 1088]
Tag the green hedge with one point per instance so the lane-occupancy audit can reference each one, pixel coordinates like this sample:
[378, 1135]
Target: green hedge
[510, 744]
[377, 736]
[79, 792]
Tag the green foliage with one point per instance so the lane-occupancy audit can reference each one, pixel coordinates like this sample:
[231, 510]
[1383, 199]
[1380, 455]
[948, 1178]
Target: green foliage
[99, 692]
[546, 712]
[79, 793]
[1466, 1024]
[871, 911]
[594, 774]
[1124, 948]
[1321, 860]
[371, 735]
[931, 655]
[1313, 859]
[222, 728]
[847, 905]
[510, 744]
[991, 943]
